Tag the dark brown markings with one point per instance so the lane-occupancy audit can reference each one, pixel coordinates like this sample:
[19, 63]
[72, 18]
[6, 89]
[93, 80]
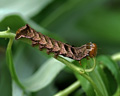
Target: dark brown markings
[57, 47]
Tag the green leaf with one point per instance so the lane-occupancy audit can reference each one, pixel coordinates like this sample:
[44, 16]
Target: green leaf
[96, 75]
[16, 90]
[44, 75]
[10, 21]
[112, 66]
[86, 86]
[16, 21]
[25, 60]
[111, 81]
[5, 80]
[13, 22]
[79, 92]
[104, 79]
[99, 78]
[24, 7]
[49, 90]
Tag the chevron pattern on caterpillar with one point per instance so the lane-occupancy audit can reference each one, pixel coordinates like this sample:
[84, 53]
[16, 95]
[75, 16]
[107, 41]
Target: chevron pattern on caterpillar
[56, 47]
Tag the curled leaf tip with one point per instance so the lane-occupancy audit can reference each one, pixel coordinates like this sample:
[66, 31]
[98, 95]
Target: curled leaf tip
[93, 67]
[8, 29]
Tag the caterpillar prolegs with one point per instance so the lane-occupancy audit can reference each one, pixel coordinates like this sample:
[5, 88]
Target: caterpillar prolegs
[57, 47]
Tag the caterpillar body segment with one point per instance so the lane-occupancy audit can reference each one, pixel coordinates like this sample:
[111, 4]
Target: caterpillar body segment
[56, 47]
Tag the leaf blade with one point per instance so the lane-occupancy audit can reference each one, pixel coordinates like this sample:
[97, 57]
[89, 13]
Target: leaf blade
[44, 75]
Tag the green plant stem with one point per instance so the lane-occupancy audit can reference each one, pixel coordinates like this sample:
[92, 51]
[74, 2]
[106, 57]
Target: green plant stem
[116, 57]
[98, 92]
[81, 72]
[6, 34]
[69, 64]
[92, 68]
[69, 89]
[11, 65]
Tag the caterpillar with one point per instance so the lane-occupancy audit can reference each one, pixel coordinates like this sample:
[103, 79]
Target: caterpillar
[56, 47]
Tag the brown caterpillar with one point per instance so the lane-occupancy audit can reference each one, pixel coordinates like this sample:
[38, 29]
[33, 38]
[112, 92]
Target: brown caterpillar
[57, 47]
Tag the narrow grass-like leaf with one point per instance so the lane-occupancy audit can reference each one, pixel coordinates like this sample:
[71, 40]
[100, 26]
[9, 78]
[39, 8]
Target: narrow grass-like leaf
[104, 79]
[49, 90]
[44, 75]
[97, 78]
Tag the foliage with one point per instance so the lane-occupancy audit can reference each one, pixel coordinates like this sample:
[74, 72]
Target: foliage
[25, 71]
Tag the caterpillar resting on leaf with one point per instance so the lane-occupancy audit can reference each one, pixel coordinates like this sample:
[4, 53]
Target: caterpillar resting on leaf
[56, 47]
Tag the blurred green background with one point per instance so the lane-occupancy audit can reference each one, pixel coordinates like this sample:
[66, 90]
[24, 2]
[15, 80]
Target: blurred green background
[73, 21]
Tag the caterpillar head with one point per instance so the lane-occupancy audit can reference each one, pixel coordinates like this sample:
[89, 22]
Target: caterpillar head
[92, 49]
[25, 31]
